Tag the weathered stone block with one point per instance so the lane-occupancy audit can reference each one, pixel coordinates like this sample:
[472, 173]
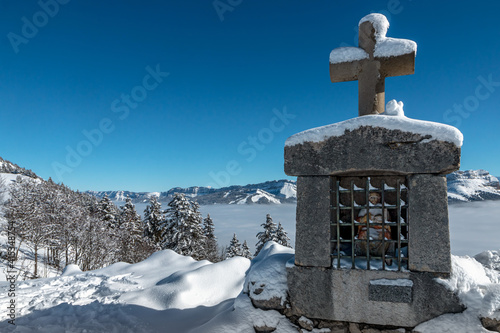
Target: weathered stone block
[312, 240]
[345, 295]
[310, 291]
[432, 298]
[353, 304]
[429, 240]
[372, 150]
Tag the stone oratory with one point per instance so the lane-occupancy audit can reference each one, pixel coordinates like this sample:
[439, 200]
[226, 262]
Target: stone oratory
[372, 233]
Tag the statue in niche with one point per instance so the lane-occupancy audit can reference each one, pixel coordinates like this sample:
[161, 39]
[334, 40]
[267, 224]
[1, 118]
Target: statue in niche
[375, 231]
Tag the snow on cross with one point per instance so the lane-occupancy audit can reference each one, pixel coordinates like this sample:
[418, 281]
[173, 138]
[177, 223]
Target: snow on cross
[376, 58]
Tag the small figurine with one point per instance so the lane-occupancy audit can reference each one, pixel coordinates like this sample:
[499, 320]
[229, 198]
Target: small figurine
[375, 231]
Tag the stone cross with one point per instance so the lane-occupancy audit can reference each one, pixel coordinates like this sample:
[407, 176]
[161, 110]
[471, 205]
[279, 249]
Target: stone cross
[382, 57]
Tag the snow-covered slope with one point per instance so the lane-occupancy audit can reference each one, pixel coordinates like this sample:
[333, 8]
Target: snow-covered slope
[472, 185]
[11, 168]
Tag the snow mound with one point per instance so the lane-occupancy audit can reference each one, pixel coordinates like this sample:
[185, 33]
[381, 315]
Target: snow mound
[394, 108]
[71, 269]
[489, 259]
[437, 131]
[165, 290]
[478, 288]
[206, 285]
[268, 273]
[266, 279]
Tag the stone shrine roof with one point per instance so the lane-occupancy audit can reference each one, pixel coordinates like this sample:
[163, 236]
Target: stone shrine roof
[437, 131]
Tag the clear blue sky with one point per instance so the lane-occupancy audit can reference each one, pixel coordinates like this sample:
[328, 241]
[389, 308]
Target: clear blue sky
[82, 67]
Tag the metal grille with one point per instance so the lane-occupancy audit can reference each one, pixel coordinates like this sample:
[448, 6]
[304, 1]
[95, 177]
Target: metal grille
[370, 222]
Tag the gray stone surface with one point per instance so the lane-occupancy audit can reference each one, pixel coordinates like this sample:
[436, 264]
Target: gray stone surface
[429, 238]
[274, 303]
[370, 151]
[431, 298]
[264, 329]
[310, 291]
[389, 293]
[312, 240]
[491, 324]
[343, 295]
[305, 323]
[354, 328]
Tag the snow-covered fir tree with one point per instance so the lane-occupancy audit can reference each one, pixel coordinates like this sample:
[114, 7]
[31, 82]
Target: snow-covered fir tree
[108, 211]
[282, 236]
[131, 234]
[184, 231]
[129, 218]
[245, 251]
[211, 251]
[153, 220]
[269, 234]
[234, 248]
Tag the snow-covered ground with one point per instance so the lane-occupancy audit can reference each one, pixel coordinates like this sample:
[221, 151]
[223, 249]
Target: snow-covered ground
[165, 293]
[171, 293]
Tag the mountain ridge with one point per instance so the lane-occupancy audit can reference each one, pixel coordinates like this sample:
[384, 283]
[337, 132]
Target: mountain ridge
[463, 186]
[270, 192]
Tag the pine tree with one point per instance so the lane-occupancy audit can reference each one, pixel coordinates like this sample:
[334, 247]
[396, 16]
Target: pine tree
[183, 233]
[269, 234]
[211, 252]
[108, 212]
[153, 218]
[282, 236]
[245, 251]
[129, 219]
[234, 248]
[130, 233]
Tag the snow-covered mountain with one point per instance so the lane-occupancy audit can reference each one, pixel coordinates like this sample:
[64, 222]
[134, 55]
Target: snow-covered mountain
[463, 186]
[271, 192]
[472, 185]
